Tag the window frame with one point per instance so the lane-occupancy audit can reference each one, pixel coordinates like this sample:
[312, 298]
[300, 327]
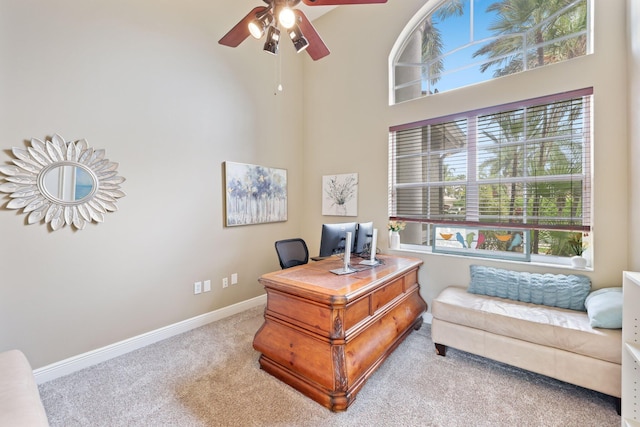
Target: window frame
[474, 179]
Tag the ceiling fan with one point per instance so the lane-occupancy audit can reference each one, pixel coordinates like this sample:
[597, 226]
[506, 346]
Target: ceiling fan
[283, 14]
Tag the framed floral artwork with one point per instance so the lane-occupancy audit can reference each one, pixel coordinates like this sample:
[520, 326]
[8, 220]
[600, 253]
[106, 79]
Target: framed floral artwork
[340, 194]
[254, 194]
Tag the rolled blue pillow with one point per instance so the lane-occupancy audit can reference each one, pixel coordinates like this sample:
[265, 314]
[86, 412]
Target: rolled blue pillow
[554, 290]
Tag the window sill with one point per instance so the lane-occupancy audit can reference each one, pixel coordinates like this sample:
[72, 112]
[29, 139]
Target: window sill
[563, 263]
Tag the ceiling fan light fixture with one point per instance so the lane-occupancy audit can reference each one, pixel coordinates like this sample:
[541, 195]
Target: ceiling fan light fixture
[259, 25]
[287, 17]
[284, 15]
[273, 37]
[256, 29]
[300, 42]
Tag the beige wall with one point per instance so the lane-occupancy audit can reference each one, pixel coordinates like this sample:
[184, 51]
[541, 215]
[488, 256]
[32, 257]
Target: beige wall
[633, 37]
[347, 118]
[147, 81]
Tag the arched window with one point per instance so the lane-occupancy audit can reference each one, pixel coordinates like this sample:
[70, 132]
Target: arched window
[455, 43]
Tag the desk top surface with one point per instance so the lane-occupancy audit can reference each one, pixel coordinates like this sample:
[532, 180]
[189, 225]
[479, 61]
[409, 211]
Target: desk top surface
[317, 278]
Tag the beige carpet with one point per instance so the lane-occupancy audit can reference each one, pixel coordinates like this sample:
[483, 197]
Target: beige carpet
[210, 377]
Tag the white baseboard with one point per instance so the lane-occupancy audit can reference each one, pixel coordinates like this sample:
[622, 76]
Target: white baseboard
[428, 318]
[93, 357]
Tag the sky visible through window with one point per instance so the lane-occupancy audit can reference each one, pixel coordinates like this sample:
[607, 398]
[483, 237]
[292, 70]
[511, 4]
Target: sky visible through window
[456, 32]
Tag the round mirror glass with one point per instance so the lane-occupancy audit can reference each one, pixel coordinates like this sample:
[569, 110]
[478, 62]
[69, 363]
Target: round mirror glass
[68, 183]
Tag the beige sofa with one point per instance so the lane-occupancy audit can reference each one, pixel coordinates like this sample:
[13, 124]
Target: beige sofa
[20, 404]
[556, 342]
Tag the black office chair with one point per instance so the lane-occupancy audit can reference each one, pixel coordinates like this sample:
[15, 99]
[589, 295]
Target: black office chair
[292, 252]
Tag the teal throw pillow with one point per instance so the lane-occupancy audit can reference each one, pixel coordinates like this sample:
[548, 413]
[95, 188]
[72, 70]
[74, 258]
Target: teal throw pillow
[604, 307]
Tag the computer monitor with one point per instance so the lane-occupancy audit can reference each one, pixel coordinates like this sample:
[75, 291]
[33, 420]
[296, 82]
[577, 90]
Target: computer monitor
[333, 238]
[363, 237]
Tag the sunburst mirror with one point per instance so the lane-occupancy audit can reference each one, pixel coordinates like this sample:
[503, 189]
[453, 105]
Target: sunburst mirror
[62, 183]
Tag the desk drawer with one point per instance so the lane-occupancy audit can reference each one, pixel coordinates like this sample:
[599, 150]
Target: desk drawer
[297, 311]
[388, 293]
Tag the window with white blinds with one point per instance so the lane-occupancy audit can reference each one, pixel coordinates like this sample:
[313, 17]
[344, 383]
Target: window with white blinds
[525, 165]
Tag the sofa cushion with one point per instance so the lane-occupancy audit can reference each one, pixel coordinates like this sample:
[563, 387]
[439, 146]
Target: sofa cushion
[554, 290]
[604, 308]
[560, 328]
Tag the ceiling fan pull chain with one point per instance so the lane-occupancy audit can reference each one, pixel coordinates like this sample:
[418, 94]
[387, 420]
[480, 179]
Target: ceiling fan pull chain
[278, 75]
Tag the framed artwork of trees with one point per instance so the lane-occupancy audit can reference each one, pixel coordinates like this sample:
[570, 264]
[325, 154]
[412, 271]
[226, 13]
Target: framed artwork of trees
[254, 194]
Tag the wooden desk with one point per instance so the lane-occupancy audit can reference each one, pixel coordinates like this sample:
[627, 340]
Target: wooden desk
[326, 334]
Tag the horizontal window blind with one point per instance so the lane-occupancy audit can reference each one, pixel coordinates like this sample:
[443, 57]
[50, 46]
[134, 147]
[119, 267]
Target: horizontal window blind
[521, 165]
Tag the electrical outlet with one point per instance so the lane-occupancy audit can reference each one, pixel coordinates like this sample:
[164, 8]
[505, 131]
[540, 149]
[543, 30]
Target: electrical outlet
[225, 282]
[207, 285]
[234, 278]
[197, 288]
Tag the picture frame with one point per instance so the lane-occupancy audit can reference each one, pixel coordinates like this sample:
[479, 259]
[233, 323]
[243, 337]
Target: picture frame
[254, 194]
[340, 194]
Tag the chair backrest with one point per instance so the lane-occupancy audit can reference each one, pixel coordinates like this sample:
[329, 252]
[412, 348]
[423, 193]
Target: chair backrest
[292, 252]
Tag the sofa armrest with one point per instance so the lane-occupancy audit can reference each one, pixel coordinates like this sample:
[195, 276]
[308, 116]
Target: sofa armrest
[20, 403]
